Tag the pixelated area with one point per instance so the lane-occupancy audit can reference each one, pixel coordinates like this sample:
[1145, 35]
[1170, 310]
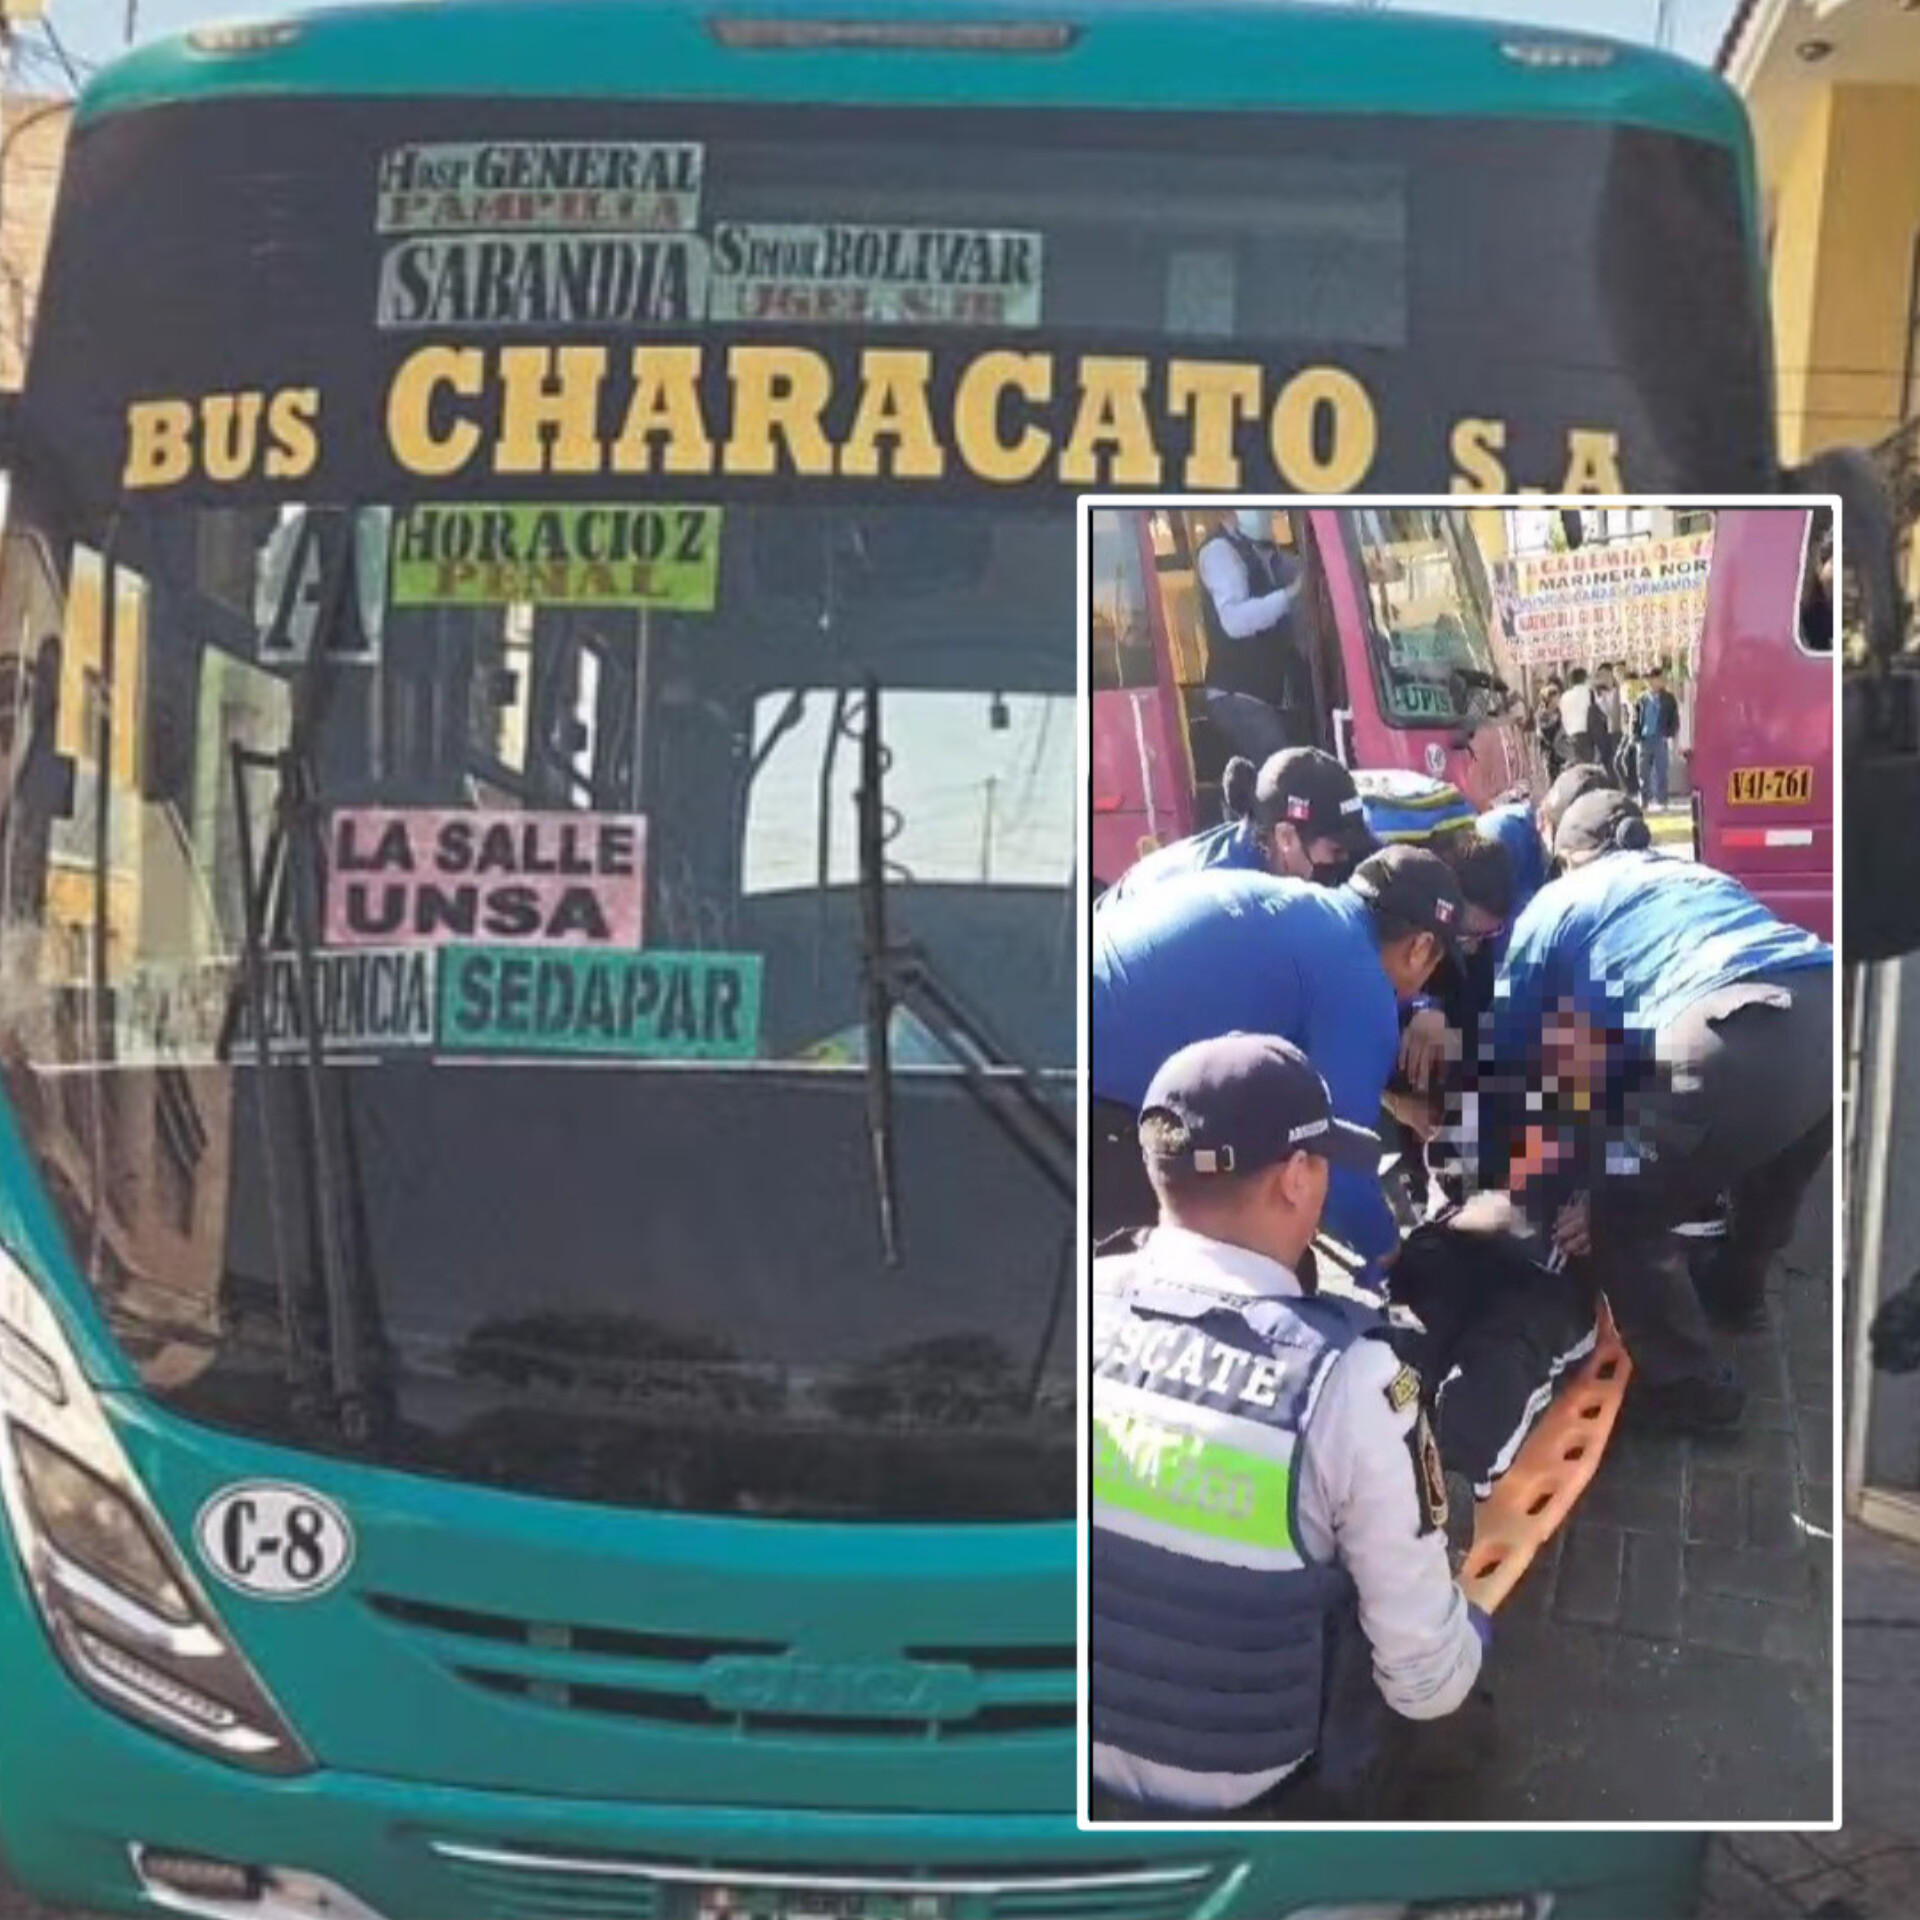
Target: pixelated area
[1554, 1467]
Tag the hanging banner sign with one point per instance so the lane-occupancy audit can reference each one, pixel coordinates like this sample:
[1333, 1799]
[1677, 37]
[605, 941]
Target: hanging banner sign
[560, 186]
[652, 1005]
[544, 281]
[881, 276]
[418, 877]
[1638, 602]
[610, 556]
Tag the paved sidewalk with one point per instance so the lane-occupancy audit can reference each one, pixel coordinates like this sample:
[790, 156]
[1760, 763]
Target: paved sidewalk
[1668, 1657]
[1870, 1870]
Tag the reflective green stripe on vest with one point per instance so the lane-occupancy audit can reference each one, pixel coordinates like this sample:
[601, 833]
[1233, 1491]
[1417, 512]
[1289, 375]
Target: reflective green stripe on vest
[1167, 1474]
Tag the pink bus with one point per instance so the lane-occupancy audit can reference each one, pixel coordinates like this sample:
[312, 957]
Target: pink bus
[1392, 624]
[1762, 761]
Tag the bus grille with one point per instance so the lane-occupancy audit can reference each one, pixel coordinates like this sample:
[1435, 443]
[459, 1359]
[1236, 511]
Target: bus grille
[665, 1678]
[504, 1884]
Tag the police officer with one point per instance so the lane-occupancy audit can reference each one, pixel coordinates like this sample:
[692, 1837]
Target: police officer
[1697, 1026]
[1297, 817]
[1256, 680]
[1268, 1565]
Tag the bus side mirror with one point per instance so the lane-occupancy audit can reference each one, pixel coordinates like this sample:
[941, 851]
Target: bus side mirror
[1867, 538]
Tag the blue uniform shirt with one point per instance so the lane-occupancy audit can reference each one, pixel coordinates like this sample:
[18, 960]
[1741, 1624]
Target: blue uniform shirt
[1224, 952]
[1234, 846]
[1634, 939]
[1515, 830]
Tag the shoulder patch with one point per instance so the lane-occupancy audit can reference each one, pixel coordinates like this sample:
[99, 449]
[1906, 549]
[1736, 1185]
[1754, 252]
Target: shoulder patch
[1429, 1477]
[1403, 1390]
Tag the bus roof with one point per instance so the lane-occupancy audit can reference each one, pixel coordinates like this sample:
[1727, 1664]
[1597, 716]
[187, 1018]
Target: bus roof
[1159, 54]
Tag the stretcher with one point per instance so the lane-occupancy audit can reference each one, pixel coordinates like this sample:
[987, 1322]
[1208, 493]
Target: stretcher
[1555, 1466]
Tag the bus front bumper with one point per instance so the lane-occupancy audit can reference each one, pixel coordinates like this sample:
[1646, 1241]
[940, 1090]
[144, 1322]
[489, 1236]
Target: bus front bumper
[102, 1816]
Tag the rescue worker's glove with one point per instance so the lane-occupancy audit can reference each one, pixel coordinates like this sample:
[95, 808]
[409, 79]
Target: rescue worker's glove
[1482, 1627]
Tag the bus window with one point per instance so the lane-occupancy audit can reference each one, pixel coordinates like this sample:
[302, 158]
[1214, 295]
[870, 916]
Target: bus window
[1121, 625]
[1428, 639]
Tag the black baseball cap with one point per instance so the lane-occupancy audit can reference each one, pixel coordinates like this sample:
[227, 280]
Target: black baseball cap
[1415, 886]
[1576, 781]
[1246, 1101]
[1600, 822]
[1312, 791]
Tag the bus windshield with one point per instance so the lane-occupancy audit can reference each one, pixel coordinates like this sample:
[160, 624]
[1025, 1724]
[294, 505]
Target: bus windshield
[583, 916]
[1428, 605]
[456, 546]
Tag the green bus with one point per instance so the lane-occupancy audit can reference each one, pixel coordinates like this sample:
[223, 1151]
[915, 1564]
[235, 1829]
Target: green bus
[538, 899]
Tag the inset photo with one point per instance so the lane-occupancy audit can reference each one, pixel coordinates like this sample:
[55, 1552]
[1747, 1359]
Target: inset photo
[1461, 1220]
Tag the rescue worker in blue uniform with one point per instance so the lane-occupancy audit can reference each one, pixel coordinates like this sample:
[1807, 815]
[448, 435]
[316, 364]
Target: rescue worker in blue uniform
[1268, 1569]
[1696, 1027]
[1297, 817]
[1324, 967]
[1516, 825]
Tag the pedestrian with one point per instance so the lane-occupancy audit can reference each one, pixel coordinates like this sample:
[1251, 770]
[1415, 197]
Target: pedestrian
[1324, 967]
[1656, 723]
[1606, 697]
[1258, 692]
[1695, 1029]
[1268, 1576]
[1548, 730]
[1298, 817]
[1626, 750]
[1576, 719]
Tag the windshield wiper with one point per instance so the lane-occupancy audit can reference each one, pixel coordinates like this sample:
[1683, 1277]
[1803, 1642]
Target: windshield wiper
[289, 863]
[901, 974]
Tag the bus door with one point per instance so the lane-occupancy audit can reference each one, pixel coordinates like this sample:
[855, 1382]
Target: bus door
[1173, 540]
[1410, 600]
[1142, 794]
[1762, 761]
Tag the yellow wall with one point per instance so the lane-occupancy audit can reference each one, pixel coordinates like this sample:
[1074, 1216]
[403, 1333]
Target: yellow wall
[1846, 206]
[1490, 530]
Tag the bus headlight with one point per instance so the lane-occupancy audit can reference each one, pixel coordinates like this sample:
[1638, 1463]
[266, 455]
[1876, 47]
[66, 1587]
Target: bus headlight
[83, 1518]
[128, 1620]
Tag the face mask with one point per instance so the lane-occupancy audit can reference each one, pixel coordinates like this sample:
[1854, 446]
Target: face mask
[1253, 523]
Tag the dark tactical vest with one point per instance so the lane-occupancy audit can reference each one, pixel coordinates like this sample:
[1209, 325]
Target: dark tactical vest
[1263, 664]
[1214, 1639]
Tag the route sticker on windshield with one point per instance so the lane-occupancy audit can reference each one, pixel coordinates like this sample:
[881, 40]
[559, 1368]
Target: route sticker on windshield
[606, 556]
[366, 1000]
[275, 1541]
[1417, 700]
[545, 281]
[418, 877]
[648, 1005]
[876, 275]
[553, 186]
[297, 569]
